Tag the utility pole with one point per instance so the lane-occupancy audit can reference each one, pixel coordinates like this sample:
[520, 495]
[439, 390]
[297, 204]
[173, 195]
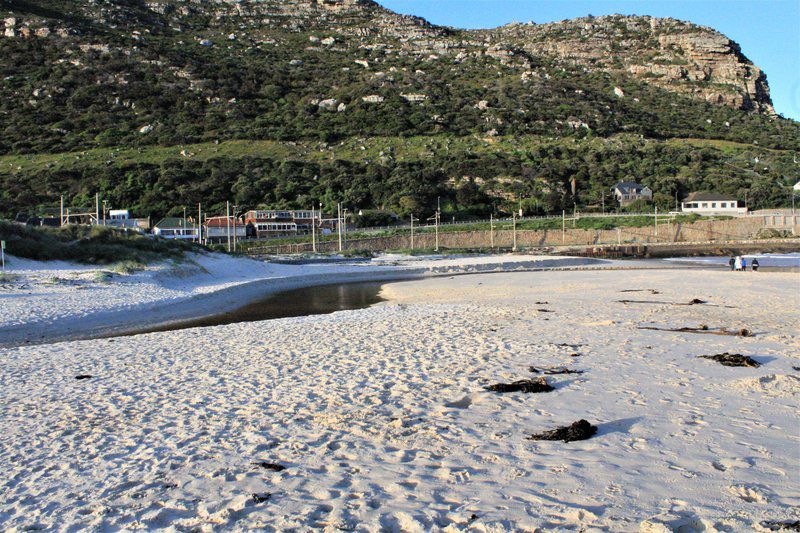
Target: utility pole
[339, 223]
[563, 226]
[491, 231]
[199, 224]
[514, 230]
[437, 231]
[234, 227]
[438, 216]
[655, 221]
[62, 210]
[344, 227]
[228, 223]
[313, 231]
[105, 208]
[412, 231]
[603, 201]
[97, 208]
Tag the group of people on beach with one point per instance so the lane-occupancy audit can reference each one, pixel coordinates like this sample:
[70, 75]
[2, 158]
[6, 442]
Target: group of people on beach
[740, 263]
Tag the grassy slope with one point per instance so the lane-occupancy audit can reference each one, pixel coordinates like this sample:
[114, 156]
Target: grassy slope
[403, 149]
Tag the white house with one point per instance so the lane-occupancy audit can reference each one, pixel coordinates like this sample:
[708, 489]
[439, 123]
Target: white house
[627, 192]
[121, 218]
[119, 214]
[704, 203]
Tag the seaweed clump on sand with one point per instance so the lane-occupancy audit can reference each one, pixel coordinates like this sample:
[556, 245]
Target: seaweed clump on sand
[733, 359]
[270, 466]
[775, 525]
[703, 328]
[523, 385]
[553, 370]
[262, 497]
[580, 430]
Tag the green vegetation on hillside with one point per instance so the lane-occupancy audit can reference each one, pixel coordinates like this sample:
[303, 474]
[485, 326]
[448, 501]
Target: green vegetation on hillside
[130, 103]
[474, 176]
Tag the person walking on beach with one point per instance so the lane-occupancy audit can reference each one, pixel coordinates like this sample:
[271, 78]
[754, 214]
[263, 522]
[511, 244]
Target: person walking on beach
[744, 264]
[737, 263]
[755, 265]
[732, 263]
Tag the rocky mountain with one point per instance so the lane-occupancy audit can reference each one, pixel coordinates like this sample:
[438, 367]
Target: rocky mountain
[109, 75]
[672, 54]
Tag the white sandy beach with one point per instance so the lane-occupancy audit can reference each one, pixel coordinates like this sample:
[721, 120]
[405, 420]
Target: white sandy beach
[381, 420]
[48, 301]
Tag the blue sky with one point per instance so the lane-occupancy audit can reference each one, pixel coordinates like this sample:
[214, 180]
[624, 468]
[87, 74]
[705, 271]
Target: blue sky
[767, 30]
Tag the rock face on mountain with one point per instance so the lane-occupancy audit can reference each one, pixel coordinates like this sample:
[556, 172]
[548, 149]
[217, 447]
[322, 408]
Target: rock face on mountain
[671, 54]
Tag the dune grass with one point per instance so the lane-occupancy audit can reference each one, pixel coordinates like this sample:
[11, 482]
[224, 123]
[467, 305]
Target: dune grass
[90, 245]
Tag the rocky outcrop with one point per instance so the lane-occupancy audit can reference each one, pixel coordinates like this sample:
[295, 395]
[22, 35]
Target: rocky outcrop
[672, 54]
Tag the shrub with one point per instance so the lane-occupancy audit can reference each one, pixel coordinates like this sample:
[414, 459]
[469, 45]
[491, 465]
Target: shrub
[93, 245]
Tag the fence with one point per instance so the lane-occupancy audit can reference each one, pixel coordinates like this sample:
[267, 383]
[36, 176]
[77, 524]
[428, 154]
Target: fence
[669, 232]
[570, 216]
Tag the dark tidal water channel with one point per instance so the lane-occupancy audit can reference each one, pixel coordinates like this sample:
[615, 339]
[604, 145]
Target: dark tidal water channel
[318, 300]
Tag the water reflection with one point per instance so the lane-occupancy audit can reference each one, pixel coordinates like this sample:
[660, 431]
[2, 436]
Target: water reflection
[318, 300]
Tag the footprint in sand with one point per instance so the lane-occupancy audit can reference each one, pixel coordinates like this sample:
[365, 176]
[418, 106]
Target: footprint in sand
[685, 521]
[635, 397]
[751, 493]
[723, 465]
[576, 519]
[515, 473]
[461, 477]
[463, 403]
[400, 522]
[696, 420]
[325, 495]
[638, 444]
[684, 472]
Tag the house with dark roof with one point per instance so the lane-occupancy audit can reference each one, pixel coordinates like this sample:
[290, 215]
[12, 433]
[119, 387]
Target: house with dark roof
[627, 192]
[27, 220]
[709, 203]
[218, 229]
[175, 228]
